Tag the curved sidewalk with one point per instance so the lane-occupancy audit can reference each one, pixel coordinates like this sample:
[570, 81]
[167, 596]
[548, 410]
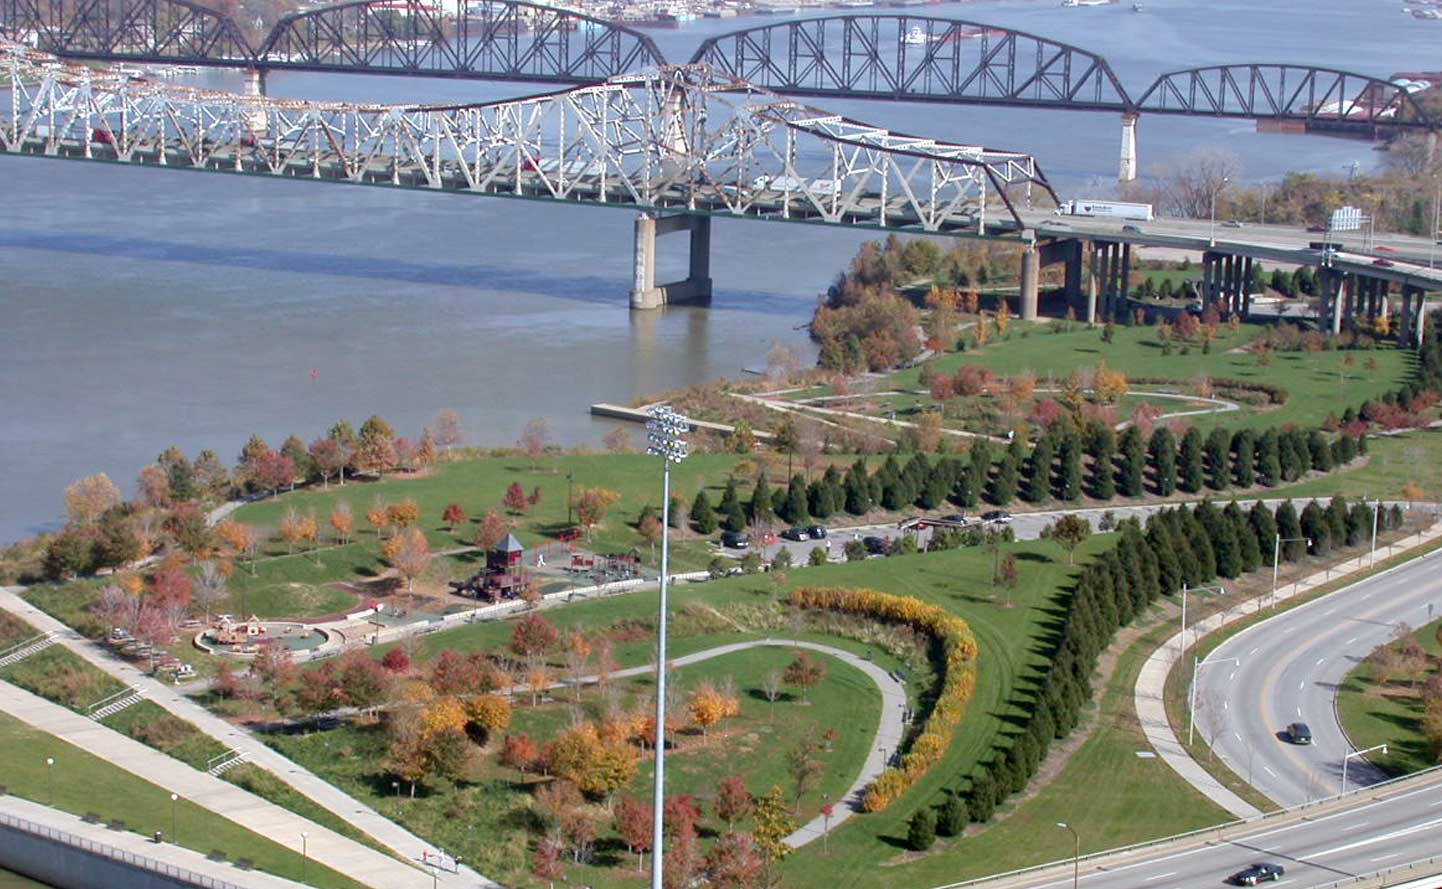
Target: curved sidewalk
[360, 816]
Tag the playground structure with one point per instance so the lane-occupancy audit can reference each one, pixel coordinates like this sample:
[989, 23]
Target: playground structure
[503, 577]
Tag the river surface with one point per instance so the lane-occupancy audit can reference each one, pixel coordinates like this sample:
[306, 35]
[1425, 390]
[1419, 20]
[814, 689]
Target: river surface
[141, 308]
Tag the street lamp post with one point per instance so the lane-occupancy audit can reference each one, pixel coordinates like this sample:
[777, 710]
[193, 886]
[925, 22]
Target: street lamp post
[1436, 223]
[1220, 590]
[1212, 231]
[49, 780]
[1076, 853]
[1197, 665]
[1277, 559]
[304, 853]
[666, 440]
[1376, 509]
[1381, 747]
[570, 478]
[174, 833]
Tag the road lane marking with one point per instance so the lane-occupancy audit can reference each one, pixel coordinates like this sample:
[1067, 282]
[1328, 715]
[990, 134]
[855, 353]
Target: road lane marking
[1302, 684]
[1329, 613]
[1268, 770]
[1406, 831]
[1238, 736]
[1299, 711]
[1253, 651]
[1385, 857]
[1170, 873]
[1321, 661]
[1350, 641]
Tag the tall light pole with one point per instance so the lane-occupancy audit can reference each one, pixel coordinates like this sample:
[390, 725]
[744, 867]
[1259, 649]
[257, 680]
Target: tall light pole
[1376, 509]
[49, 780]
[1381, 747]
[665, 439]
[174, 832]
[1220, 590]
[1277, 559]
[1076, 853]
[304, 853]
[1197, 665]
[1212, 232]
[1436, 222]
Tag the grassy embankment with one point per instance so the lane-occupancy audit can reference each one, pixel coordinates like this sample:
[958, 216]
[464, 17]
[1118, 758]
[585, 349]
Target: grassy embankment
[1375, 712]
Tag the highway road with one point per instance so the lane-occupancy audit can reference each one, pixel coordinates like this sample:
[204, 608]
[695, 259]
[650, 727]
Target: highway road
[1327, 847]
[1289, 670]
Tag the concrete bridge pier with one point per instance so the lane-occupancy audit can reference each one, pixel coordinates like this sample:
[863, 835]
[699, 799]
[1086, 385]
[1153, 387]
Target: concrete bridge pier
[1431, 146]
[1127, 170]
[1111, 268]
[696, 288]
[1030, 283]
[1330, 296]
[255, 118]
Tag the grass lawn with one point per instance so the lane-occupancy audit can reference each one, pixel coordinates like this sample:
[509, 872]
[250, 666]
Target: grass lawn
[1319, 384]
[86, 783]
[1392, 461]
[1375, 712]
[485, 818]
[1009, 630]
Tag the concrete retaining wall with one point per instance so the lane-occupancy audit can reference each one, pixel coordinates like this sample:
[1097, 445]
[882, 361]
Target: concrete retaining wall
[71, 862]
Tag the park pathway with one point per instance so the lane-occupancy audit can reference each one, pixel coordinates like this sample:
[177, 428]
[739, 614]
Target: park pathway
[357, 814]
[279, 825]
[887, 738]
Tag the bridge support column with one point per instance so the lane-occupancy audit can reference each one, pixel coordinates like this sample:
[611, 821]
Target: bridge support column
[1030, 275]
[1209, 278]
[696, 288]
[1431, 147]
[1127, 169]
[1329, 290]
[255, 87]
[1124, 287]
[1243, 308]
[1091, 262]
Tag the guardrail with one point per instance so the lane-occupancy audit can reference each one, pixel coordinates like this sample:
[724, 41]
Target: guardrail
[114, 854]
[23, 643]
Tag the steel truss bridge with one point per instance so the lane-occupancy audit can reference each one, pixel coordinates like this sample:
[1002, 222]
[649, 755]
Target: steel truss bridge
[679, 138]
[875, 56]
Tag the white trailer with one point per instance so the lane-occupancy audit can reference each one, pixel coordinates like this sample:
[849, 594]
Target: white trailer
[1107, 209]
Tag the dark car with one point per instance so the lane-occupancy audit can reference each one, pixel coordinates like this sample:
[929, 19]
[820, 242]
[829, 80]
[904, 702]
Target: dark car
[1316, 228]
[955, 518]
[1384, 263]
[816, 532]
[798, 534]
[1257, 873]
[1299, 733]
[1132, 229]
[734, 540]
[876, 546]
[996, 517]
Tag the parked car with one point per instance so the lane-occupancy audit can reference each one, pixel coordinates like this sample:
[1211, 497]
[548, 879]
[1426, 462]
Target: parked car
[876, 546]
[1316, 228]
[1132, 229]
[1257, 873]
[1384, 263]
[734, 540]
[798, 534]
[956, 518]
[1299, 733]
[816, 532]
[766, 538]
[996, 517]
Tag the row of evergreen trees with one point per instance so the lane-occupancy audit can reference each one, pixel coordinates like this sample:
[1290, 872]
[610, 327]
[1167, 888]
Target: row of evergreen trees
[1179, 545]
[1063, 465]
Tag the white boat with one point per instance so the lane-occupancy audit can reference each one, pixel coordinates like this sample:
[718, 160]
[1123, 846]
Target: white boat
[916, 37]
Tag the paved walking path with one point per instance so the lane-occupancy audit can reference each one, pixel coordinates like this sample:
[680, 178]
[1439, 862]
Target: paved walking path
[129, 846]
[886, 740]
[347, 856]
[357, 814]
[1148, 694]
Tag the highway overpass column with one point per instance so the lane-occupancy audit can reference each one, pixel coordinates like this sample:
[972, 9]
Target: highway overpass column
[1329, 288]
[1127, 171]
[1030, 273]
[645, 292]
[1209, 276]
[1114, 280]
[1404, 317]
[1091, 262]
[1124, 286]
[1244, 302]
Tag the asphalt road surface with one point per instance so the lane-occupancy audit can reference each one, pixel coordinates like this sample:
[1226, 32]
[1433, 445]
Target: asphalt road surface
[1290, 668]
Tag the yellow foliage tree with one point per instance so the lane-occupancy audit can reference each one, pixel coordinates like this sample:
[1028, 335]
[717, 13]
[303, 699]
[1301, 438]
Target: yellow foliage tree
[578, 755]
[709, 705]
[490, 712]
[1109, 385]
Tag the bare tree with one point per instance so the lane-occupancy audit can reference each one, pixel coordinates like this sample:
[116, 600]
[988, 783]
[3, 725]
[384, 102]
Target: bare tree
[209, 587]
[1186, 185]
[447, 429]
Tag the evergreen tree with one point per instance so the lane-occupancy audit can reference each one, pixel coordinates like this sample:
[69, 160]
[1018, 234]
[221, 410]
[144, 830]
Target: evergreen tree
[1264, 528]
[1316, 528]
[981, 797]
[794, 509]
[1217, 455]
[1269, 464]
[1038, 479]
[858, 489]
[1359, 523]
[921, 832]
[1244, 457]
[1071, 469]
[760, 508]
[934, 490]
[1294, 545]
[816, 497]
[1337, 520]
[1248, 548]
[1228, 548]
[1320, 451]
[1191, 468]
[1003, 485]
[1164, 460]
[1169, 568]
[1103, 470]
[703, 517]
[1134, 463]
[964, 490]
[953, 816]
[733, 517]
